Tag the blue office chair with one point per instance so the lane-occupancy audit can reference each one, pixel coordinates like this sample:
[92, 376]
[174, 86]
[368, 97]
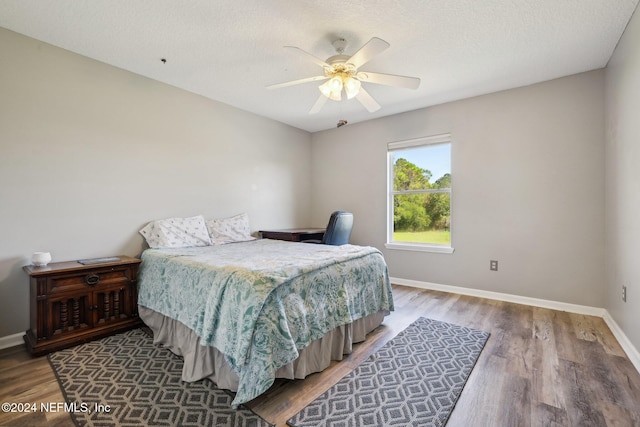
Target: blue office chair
[338, 230]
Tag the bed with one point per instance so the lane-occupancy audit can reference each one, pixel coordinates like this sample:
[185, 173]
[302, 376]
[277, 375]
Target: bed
[245, 313]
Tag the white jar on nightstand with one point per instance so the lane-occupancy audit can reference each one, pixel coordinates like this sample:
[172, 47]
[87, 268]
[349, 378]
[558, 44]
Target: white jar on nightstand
[40, 259]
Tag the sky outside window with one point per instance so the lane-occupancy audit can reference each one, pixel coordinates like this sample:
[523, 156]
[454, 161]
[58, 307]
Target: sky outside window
[436, 158]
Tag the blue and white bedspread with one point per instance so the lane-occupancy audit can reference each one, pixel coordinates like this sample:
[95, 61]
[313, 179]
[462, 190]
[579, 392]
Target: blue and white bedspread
[259, 302]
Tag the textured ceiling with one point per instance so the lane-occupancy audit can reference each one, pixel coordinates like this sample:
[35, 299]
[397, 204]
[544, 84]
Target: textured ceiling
[229, 50]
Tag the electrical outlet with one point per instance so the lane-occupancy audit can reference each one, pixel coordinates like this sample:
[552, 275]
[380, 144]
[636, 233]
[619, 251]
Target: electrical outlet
[493, 265]
[624, 293]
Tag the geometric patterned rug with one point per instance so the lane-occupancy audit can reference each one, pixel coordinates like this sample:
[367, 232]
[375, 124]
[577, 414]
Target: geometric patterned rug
[126, 380]
[414, 380]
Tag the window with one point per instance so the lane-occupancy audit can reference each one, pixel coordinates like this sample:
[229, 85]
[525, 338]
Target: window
[419, 202]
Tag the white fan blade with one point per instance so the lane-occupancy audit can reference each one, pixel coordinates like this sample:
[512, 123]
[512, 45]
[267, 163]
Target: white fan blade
[389, 79]
[307, 55]
[366, 100]
[297, 82]
[368, 51]
[318, 105]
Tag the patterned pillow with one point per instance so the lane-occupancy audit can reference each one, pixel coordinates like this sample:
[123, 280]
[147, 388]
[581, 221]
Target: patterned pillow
[229, 230]
[176, 233]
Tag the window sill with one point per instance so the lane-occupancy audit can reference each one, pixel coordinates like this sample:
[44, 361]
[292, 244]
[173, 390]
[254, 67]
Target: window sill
[419, 247]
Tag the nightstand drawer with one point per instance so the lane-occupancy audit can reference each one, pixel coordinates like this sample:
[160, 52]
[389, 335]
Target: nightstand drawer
[72, 282]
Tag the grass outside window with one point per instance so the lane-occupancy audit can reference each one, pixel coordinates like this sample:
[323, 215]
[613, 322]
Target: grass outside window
[438, 237]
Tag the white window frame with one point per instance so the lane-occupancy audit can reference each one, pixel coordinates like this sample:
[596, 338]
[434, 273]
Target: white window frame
[444, 138]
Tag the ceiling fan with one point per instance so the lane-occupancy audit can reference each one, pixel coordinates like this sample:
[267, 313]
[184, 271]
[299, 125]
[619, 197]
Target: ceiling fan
[341, 74]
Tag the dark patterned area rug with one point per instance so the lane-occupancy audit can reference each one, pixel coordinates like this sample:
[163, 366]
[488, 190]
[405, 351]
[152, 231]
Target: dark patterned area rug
[414, 380]
[126, 380]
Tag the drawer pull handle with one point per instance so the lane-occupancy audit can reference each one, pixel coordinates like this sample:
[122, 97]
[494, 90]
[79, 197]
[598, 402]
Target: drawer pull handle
[92, 279]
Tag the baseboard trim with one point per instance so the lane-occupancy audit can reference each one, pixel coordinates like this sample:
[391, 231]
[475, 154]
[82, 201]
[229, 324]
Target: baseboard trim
[618, 333]
[11, 340]
[625, 343]
[536, 302]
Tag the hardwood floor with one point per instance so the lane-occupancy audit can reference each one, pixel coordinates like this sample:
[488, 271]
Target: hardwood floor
[540, 367]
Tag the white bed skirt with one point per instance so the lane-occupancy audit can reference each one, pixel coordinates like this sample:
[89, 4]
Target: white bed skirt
[207, 362]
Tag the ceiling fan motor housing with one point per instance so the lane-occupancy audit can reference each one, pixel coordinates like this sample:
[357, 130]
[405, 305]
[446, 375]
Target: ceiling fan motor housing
[339, 67]
[338, 59]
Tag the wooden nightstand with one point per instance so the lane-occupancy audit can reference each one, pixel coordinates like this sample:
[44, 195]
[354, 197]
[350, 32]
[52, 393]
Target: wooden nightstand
[73, 303]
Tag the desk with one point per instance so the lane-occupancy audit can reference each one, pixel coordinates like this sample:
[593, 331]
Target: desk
[294, 234]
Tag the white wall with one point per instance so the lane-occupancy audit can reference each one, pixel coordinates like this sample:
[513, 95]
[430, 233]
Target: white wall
[528, 189]
[89, 153]
[623, 181]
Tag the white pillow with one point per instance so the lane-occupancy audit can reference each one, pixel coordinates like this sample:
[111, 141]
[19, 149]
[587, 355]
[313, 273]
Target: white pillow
[229, 230]
[177, 233]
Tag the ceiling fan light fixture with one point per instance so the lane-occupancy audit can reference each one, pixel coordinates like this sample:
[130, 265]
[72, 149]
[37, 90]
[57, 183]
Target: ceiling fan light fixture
[332, 88]
[351, 87]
